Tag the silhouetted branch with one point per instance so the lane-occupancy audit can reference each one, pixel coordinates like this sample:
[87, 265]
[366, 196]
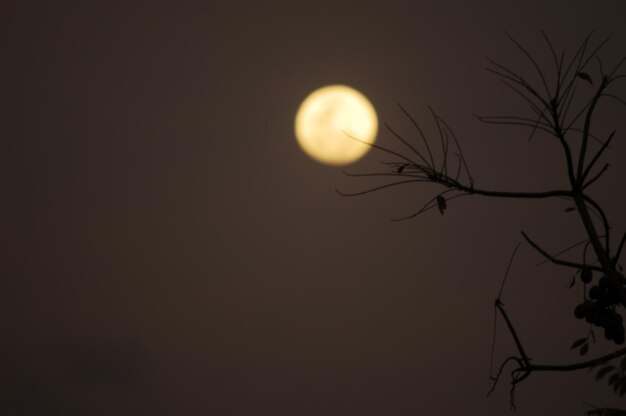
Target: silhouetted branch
[378, 188]
[381, 148]
[386, 174]
[534, 62]
[580, 365]
[524, 357]
[554, 259]
[565, 250]
[605, 222]
[615, 97]
[583, 147]
[392, 131]
[419, 129]
[598, 154]
[550, 114]
[596, 176]
[568, 98]
[504, 120]
[496, 378]
[524, 366]
[458, 147]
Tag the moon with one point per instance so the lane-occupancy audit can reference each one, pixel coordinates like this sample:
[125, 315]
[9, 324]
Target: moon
[328, 117]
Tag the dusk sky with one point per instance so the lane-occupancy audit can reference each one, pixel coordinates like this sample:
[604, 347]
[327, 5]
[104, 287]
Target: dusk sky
[168, 248]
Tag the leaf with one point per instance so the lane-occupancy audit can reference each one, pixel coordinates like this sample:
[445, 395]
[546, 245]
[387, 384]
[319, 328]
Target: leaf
[570, 209]
[584, 349]
[585, 76]
[622, 389]
[604, 371]
[571, 285]
[617, 383]
[402, 167]
[613, 378]
[441, 204]
[622, 364]
[578, 343]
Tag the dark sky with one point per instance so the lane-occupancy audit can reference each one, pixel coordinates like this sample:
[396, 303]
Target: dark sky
[167, 249]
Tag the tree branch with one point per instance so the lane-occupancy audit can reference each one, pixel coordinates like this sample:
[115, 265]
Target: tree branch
[509, 324]
[578, 366]
[554, 259]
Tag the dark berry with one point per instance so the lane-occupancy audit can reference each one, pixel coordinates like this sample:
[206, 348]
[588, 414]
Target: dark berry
[595, 292]
[583, 309]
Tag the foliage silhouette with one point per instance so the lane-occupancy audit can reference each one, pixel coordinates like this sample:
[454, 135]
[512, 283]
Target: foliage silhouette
[556, 111]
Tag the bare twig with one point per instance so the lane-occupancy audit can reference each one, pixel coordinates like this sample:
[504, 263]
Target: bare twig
[421, 133]
[550, 114]
[554, 259]
[598, 154]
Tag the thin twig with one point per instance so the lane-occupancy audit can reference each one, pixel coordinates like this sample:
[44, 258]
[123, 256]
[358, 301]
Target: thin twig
[555, 260]
[565, 250]
[378, 188]
[397, 136]
[596, 176]
[508, 268]
[595, 158]
[534, 62]
[419, 129]
[513, 332]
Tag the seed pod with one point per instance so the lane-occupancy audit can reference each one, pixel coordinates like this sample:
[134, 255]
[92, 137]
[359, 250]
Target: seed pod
[600, 317]
[583, 310]
[604, 282]
[595, 292]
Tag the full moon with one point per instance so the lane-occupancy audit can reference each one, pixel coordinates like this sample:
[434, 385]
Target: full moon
[330, 119]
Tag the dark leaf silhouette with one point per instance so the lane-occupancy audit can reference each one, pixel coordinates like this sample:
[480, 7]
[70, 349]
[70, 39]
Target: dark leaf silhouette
[584, 349]
[604, 371]
[622, 364]
[585, 76]
[570, 209]
[618, 383]
[578, 343]
[441, 204]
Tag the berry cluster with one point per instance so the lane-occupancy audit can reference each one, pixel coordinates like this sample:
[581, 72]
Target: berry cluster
[599, 308]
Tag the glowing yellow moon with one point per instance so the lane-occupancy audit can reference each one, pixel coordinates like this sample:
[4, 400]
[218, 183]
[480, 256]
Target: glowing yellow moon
[326, 119]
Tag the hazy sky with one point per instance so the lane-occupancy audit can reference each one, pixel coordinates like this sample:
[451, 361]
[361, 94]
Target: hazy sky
[167, 248]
